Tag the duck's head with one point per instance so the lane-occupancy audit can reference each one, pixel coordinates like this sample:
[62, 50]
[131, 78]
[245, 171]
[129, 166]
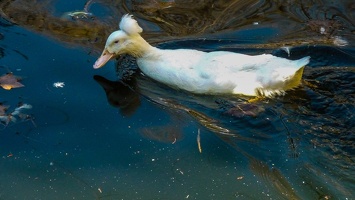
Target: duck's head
[125, 40]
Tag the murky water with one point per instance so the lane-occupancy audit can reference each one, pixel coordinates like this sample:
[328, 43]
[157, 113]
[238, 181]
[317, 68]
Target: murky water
[113, 133]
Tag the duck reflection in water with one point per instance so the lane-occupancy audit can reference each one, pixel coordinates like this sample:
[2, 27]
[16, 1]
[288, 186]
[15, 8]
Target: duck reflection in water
[123, 94]
[120, 94]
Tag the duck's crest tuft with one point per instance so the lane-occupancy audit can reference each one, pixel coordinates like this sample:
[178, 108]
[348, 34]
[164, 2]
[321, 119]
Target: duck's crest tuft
[130, 25]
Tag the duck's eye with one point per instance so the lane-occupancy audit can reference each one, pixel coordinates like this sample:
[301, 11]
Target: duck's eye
[116, 41]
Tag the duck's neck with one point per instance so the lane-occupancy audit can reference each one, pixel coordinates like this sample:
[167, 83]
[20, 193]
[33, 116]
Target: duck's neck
[140, 48]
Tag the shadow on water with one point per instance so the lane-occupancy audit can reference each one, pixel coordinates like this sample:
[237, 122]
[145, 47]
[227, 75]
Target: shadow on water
[296, 146]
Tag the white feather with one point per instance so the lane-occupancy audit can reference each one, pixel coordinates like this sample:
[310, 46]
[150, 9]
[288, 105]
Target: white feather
[130, 25]
[18, 110]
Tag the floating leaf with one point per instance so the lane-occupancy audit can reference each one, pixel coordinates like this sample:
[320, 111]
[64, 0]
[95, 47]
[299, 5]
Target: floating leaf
[9, 81]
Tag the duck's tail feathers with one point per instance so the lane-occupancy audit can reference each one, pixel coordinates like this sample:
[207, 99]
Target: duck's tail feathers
[297, 77]
[295, 81]
[291, 83]
[303, 61]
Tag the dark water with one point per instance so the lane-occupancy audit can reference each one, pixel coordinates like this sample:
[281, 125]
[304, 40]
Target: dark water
[115, 134]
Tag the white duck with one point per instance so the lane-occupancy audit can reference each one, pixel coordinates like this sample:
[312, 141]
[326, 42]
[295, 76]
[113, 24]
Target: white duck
[218, 72]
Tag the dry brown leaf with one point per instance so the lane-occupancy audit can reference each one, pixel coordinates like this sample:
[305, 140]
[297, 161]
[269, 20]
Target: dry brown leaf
[9, 81]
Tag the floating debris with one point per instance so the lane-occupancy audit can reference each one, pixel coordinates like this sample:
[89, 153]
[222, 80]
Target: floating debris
[80, 15]
[324, 27]
[20, 108]
[340, 42]
[9, 81]
[58, 84]
[6, 118]
[199, 141]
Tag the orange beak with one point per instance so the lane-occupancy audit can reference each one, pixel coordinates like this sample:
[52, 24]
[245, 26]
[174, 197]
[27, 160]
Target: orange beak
[103, 59]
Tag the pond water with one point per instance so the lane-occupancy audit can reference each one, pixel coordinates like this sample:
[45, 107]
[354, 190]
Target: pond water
[113, 133]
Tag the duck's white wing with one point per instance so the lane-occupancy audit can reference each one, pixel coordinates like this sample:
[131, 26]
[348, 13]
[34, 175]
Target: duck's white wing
[235, 63]
[247, 73]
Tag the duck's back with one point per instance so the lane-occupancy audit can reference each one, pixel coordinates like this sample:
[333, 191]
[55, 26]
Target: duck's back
[222, 71]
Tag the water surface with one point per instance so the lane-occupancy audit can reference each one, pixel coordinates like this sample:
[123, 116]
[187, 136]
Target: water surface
[114, 133]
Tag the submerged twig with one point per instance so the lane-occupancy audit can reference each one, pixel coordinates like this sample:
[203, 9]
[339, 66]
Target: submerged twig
[199, 141]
